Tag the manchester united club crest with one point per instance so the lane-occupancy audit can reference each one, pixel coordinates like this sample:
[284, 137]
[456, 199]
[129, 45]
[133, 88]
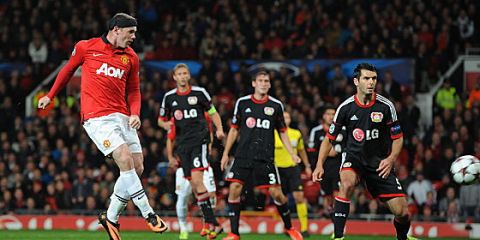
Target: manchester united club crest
[376, 117]
[106, 143]
[269, 111]
[192, 100]
[124, 59]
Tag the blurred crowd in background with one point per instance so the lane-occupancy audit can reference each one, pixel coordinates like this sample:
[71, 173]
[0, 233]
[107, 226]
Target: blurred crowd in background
[49, 165]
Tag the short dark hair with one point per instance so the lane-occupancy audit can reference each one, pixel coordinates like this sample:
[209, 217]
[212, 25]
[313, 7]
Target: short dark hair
[121, 20]
[260, 72]
[363, 66]
[327, 107]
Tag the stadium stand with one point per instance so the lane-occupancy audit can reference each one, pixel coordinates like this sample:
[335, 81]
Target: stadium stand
[48, 164]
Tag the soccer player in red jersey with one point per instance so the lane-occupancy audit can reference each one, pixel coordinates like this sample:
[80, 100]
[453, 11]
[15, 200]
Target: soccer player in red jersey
[110, 109]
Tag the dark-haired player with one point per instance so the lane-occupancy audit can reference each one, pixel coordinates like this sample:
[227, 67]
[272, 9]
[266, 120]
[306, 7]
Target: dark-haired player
[373, 141]
[255, 118]
[110, 110]
[331, 166]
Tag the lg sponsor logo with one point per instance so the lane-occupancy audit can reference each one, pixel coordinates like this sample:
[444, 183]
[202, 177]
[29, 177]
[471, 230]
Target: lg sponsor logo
[259, 123]
[179, 114]
[359, 134]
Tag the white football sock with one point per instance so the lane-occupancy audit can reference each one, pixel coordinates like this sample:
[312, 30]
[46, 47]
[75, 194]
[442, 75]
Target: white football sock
[134, 187]
[118, 201]
[182, 202]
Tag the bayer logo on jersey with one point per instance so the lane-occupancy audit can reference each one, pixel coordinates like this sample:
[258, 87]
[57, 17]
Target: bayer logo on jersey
[465, 169]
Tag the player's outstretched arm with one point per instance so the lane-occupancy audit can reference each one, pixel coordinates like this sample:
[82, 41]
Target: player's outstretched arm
[64, 75]
[43, 102]
[325, 149]
[231, 137]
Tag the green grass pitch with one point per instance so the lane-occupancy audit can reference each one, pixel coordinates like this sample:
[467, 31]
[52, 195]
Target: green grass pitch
[130, 235]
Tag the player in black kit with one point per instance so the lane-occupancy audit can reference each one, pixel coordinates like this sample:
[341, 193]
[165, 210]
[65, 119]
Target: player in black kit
[255, 117]
[331, 166]
[373, 141]
[187, 104]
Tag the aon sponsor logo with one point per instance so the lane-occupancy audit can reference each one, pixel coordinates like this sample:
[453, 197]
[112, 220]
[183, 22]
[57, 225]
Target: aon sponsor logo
[110, 71]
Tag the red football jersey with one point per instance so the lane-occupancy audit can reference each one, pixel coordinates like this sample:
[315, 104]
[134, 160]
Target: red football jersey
[109, 76]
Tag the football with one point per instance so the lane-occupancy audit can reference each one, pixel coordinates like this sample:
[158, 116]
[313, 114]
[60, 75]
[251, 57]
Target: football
[465, 169]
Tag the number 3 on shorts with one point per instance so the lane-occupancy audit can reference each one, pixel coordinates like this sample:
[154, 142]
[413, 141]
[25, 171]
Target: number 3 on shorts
[272, 178]
[196, 162]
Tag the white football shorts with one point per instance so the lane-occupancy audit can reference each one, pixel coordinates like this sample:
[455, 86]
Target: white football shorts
[111, 131]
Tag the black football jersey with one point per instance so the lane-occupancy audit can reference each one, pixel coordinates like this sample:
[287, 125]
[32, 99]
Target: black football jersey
[370, 128]
[256, 121]
[317, 134]
[188, 110]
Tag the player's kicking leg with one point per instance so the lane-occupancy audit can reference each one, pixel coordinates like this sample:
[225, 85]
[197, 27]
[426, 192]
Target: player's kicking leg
[128, 186]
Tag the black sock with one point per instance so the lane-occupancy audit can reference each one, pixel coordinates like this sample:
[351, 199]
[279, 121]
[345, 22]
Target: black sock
[285, 214]
[234, 214]
[339, 215]
[402, 225]
[206, 206]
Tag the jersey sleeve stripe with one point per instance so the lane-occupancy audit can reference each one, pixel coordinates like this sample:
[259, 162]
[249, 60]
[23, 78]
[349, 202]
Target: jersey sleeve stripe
[311, 138]
[393, 137]
[331, 137]
[390, 105]
[277, 101]
[201, 89]
[238, 101]
[167, 94]
[349, 100]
